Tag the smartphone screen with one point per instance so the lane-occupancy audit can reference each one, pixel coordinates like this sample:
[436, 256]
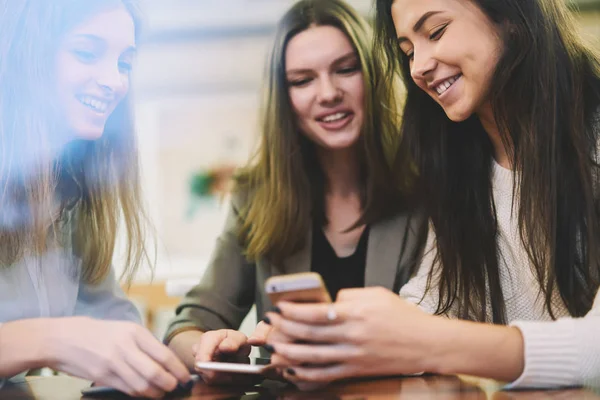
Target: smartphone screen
[305, 287]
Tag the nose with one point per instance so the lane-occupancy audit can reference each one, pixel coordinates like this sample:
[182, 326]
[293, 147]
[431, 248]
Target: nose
[110, 78]
[329, 92]
[423, 64]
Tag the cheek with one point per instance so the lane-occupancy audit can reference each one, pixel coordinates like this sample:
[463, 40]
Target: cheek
[300, 100]
[486, 65]
[354, 89]
[125, 86]
[358, 89]
[484, 52]
[70, 71]
[494, 56]
[63, 72]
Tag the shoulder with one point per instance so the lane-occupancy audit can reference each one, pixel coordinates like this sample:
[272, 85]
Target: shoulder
[240, 198]
[243, 193]
[405, 222]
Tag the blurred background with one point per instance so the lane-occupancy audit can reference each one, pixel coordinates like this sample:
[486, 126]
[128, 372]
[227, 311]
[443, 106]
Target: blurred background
[197, 87]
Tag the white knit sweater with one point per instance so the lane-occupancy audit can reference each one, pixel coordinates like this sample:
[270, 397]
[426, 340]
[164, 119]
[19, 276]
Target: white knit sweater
[558, 353]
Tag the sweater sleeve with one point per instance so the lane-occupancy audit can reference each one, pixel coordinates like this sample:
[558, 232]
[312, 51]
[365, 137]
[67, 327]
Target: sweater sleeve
[561, 353]
[415, 290]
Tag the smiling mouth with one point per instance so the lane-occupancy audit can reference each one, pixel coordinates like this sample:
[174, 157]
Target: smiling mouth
[334, 117]
[447, 84]
[96, 105]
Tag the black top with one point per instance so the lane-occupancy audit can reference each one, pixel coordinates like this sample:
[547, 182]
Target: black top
[339, 272]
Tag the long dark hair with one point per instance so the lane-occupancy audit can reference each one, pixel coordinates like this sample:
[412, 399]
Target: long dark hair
[545, 95]
[285, 178]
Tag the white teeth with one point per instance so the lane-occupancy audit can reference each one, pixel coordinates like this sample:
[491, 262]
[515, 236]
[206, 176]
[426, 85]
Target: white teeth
[334, 117]
[442, 87]
[93, 103]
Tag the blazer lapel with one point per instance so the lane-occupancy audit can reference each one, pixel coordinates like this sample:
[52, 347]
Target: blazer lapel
[383, 251]
[299, 261]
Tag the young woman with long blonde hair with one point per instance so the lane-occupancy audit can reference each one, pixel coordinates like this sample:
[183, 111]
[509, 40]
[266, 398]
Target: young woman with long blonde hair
[68, 174]
[319, 196]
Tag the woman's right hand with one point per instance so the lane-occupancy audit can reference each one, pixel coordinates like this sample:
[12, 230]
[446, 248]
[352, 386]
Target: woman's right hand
[225, 345]
[118, 354]
[229, 346]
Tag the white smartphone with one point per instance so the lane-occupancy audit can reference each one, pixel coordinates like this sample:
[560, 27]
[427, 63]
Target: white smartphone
[256, 366]
[305, 287]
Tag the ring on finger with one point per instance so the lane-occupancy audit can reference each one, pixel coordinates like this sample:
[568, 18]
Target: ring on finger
[331, 314]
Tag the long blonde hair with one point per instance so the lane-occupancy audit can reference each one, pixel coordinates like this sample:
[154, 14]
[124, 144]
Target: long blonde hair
[284, 180]
[101, 177]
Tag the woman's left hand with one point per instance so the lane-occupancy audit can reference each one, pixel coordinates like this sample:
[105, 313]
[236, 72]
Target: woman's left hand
[366, 332]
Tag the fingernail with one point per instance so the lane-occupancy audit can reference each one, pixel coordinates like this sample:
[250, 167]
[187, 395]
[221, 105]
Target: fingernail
[276, 310]
[269, 348]
[267, 321]
[290, 371]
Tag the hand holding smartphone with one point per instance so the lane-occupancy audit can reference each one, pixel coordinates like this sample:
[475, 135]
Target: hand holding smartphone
[305, 287]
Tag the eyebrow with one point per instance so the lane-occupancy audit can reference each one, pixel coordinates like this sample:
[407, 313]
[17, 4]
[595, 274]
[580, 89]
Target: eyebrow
[349, 56]
[99, 40]
[419, 24]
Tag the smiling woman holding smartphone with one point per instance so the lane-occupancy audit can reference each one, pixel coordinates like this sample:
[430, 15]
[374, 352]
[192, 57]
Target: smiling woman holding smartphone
[320, 195]
[503, 115]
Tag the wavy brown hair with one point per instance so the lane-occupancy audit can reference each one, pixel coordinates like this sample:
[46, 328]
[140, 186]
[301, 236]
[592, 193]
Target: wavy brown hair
[96, 182]
[285, 181]
[545, 96]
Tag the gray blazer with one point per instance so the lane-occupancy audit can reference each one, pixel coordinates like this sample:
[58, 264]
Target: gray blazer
[232, 284]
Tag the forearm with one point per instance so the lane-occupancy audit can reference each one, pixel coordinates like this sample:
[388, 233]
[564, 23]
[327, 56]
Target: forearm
[182, 345]
[23, 346]
[470, 348]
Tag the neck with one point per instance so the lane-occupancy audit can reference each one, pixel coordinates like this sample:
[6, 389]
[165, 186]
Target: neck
[486, 116]
[342, 171]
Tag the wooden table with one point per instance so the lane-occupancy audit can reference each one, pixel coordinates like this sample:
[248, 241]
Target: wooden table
[429, 387]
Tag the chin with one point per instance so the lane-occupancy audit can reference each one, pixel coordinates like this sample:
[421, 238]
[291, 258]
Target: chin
[88, 133]
[457, 115]
[341, 144]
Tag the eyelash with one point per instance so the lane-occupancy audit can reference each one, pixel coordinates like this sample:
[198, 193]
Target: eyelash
[438, 34]
[299, 83]
[342, 71]
[85, 56]
[125, 66]
[89, 57]
[434, 36]
[348, 70]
